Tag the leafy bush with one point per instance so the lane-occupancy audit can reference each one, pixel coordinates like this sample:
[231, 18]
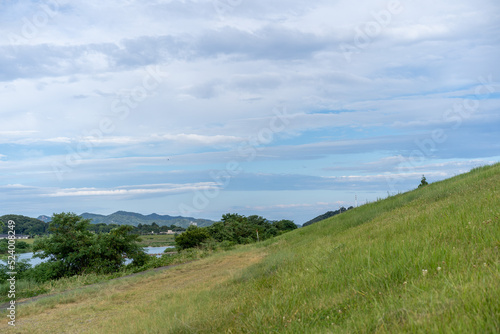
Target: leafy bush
[46, 271]
[227, 245]
[21, 246]
[72, 249]
[21, 269]
[193, 237]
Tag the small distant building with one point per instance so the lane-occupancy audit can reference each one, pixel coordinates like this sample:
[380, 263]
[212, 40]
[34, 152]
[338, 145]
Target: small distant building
[17, 236]
[193, 224]
[168, 232]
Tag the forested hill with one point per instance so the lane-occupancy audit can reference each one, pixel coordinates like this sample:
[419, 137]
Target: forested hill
[132, 218]
[24, 225]
[32, 226]
[326, 215]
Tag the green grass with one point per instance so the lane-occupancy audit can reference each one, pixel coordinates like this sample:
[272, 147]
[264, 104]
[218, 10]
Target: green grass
[29, 241]
[27, 288]
[426, 261]
[157, 240]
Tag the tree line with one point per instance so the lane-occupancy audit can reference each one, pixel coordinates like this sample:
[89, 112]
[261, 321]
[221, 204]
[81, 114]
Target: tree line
[233, 229]
[35, 227]
[74, 246]
[24, 225]
[139, 229]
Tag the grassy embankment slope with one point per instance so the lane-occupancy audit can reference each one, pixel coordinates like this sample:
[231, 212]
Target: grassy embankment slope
[423, 262]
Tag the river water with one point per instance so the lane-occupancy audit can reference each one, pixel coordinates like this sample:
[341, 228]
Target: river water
[36, 260]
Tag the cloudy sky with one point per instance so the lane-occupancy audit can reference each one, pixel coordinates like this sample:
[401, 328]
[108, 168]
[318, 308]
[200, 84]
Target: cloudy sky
[284, 109]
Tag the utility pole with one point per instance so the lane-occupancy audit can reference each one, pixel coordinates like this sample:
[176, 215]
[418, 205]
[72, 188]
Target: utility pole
[355, 201]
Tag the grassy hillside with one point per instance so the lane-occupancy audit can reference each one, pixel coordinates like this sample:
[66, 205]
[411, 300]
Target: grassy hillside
[425, 261]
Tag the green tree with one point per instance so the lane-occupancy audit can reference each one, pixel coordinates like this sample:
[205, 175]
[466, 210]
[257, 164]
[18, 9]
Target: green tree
[258, 220]
[193, 237]
[72, 249]
[285, 225]
[4, 244]
[219, 232]
[239, 228]
[155, 227]
[21, 246]
[108, 249]
[68, 247]
[423, 182]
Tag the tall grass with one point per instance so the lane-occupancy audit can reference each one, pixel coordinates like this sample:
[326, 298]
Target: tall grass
[425, 261]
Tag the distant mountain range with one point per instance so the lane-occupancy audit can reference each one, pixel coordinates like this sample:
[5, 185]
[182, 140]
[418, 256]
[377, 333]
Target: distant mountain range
[44, 218]
[132, 218]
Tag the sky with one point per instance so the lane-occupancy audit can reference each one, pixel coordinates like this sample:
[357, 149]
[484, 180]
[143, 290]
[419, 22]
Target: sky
[283, 109]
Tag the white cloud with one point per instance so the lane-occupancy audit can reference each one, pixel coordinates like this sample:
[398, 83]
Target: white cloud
[16, 186]
[132, 191]
[297, 206]
[201, 139]
[223, 71]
